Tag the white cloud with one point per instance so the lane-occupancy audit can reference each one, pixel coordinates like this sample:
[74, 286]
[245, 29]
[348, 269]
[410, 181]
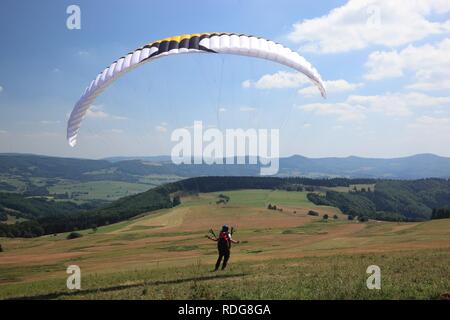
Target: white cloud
[437, 129]
[430, 64]
[116, 131]
[391, 105]
[96, 112]
[3, 132]
[278, 80]
[356, 107]
[222, 109]
[82, 53]
[161, 129]
[49, 122]
[433, 122]
[431, 85]
[118, 117]
[332, 86]
[104, 133]
[396, 104]
[1, 89]
[361, 23]
[342, 111]
[383, 65]
[247, 109]
[284, 80]
[247, 84]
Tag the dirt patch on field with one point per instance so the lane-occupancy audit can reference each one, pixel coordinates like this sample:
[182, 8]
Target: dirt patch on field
[27, 259]
[404, 227]
[171, 219]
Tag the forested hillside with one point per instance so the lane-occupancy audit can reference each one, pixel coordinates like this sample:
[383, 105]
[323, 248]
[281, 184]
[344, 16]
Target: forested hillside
[391, 199]
[388, 200]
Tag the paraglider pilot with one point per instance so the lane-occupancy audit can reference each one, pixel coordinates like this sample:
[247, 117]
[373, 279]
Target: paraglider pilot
[224, 242]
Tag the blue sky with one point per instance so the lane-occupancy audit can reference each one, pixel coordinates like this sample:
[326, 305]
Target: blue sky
[386, 65]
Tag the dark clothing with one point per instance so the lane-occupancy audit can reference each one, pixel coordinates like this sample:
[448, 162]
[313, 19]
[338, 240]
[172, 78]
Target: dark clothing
[224, 253]
[223, 246]
[224, 240]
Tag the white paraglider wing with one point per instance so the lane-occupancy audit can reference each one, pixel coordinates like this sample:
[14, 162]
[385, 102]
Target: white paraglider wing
[231, 43]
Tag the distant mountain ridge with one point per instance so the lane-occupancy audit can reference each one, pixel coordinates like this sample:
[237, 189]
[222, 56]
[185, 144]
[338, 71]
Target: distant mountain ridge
[410, 167]
[143, 158]
[131, 168]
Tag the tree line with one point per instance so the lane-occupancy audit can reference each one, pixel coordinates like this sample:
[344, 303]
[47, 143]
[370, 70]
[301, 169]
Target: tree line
[392, 200]
[440, 213]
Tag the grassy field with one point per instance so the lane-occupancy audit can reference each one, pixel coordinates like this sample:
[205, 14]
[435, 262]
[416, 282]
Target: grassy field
[83, 191]
[282, 255]
[104, 190]
[12, 219]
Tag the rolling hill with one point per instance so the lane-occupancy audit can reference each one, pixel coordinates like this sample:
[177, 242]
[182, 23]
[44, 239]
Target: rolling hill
[284, 254]
[393, 200]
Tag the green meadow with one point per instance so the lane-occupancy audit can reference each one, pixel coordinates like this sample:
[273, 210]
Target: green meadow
[283, 254]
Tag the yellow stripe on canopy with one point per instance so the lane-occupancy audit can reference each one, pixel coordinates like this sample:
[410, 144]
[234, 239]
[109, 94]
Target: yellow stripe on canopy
[179, 38]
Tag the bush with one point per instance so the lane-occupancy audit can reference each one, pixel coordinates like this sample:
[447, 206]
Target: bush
[319, 200]
[1, 249]
[363, 219]
[313, 213]
[335, 217]
[176, 201]
[74, 235]
[325, 217]
[3, 216]
[350, 217]
[224, 197]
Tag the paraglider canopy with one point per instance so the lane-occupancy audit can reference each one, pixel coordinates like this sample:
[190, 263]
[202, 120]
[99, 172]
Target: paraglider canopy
[231, 43]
